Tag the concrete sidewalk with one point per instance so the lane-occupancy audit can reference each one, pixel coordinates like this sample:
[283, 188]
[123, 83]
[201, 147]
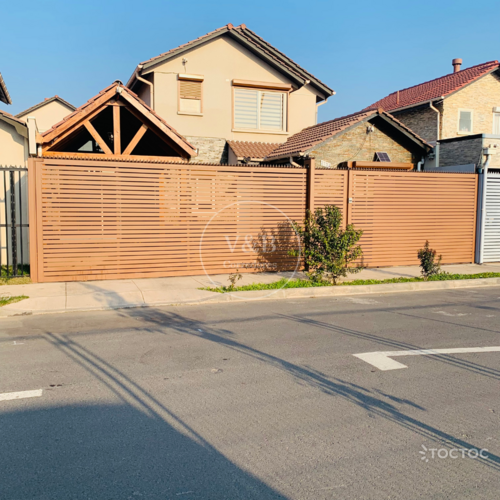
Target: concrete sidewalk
[47, 298]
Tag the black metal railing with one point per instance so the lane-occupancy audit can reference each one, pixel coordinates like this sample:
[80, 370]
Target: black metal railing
[14, 249]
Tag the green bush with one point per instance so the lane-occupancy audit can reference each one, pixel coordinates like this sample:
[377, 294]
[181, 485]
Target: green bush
[428, 262]
[327, 248]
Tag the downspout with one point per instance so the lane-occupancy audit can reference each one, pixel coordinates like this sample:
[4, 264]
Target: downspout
[420, 164]
[487, 152]
[438, 135]
[151, 90]
[318, 105]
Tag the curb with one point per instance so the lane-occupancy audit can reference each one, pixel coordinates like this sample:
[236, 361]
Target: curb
[287, 293]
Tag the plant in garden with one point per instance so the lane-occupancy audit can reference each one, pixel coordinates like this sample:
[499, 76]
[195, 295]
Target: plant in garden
[427, 257]
[328, 249]
[233, 279]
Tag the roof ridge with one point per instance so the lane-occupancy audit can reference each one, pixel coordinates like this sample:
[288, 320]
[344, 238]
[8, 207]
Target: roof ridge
[444, 76]
[47, 100]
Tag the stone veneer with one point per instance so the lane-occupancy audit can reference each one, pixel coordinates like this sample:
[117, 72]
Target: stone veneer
[356, 144]
[210, 149]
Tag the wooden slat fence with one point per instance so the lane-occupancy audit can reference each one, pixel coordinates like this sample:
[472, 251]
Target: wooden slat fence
[94, 220]
[399, 211]
[110, 220]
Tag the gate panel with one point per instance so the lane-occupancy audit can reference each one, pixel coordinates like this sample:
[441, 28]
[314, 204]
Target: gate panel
[110, 220]
[491, 251]
[399, 211]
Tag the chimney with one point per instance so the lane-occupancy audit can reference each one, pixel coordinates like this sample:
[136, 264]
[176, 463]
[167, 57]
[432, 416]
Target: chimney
[456, 65]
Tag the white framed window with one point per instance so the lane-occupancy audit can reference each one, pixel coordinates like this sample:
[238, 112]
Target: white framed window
[190, 94]
[262, 110]
[465, 121]
[496, 123]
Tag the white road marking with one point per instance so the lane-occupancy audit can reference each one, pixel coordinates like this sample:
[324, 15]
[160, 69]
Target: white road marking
[7, 396]
[382, 360]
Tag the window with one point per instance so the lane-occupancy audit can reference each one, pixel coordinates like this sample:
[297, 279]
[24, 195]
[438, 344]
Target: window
[259, 109]
[190, 94]
[464, 121]
[496, 123]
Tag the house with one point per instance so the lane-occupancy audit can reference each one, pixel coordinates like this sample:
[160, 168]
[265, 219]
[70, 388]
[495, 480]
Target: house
[459, 112]
[368, 138]
[229, 85]
[48, 112]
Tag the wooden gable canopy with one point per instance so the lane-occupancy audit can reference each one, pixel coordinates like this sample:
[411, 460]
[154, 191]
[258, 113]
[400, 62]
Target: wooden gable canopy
[115, 124]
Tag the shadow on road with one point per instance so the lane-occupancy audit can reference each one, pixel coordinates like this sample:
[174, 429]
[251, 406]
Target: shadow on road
[113, 452]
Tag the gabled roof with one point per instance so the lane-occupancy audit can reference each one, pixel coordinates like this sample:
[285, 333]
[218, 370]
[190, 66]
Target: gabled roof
[20, 125]
[46, 101]
[252, 42]
[75, 119]
[4, 93]
[253, 150]
[435, 89]
[305, 140]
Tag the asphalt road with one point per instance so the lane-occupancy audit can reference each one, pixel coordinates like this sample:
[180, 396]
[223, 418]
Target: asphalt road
[254, 401]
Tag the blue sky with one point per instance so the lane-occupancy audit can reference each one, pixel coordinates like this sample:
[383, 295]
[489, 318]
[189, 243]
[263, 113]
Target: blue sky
[362, 49]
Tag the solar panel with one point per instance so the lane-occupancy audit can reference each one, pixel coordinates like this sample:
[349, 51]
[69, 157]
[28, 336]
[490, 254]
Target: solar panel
[382, 156]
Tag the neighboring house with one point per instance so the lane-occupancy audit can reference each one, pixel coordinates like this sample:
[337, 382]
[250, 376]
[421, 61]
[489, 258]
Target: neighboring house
[48, 112]
[229, 85]
[462, 103]
[355, 140]
[13, 141]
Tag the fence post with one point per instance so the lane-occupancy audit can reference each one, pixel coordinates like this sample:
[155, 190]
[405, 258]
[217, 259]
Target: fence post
[13, 221]
[311, 167]
[32, 214]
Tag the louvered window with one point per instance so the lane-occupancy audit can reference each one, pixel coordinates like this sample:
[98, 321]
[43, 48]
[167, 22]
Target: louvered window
[190, 93]
[259, 110]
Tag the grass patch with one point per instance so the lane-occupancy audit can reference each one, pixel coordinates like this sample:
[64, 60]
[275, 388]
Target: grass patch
[10, 300]
[17, 280]
[304, 283]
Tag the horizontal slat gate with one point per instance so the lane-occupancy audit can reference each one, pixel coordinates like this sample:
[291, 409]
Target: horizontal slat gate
[330, 188]
[103, 220]
[399, 211]
[492, 223]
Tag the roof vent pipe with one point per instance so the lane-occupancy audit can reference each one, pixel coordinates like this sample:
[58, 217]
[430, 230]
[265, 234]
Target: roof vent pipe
[456, 65]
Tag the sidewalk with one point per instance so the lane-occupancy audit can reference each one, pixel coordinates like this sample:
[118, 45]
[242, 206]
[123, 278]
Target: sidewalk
[47, 298]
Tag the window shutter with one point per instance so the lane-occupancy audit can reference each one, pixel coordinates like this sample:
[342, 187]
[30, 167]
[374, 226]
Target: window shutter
[259, 110]
[190, 96]
[271, 110]
[246, 108]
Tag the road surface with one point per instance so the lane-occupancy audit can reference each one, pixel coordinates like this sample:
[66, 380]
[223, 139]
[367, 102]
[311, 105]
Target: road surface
[259, 401]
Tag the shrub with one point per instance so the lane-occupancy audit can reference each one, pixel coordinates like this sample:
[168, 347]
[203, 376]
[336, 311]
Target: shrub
[428, 262]
[327, 248]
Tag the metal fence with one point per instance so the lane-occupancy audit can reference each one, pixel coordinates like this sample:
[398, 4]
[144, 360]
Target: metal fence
[14, 243]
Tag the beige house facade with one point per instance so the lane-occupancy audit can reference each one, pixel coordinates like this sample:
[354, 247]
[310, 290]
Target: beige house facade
[48, 112]
[229, 85]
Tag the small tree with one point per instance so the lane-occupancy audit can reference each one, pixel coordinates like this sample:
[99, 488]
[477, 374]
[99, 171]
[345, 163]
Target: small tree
[428, 262]
[327, 248]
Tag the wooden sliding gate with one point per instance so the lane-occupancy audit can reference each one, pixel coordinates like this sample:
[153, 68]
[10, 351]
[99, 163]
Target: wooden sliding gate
[111, 220]
[94, 220]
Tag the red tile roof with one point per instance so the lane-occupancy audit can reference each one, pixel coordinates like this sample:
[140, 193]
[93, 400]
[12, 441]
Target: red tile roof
[311, 136]
[243, 34]
[4, 93]
[44, 102]
[435, 89]
[254, 150]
